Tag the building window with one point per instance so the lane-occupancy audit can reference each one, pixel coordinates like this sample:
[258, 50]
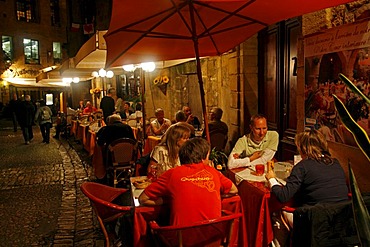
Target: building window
[54, 11]
[57, 52]
[26, 10]
[31, 51]
[7, 46]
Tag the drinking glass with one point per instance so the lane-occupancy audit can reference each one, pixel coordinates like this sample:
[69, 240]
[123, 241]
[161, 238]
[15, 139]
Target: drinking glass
[260, 169]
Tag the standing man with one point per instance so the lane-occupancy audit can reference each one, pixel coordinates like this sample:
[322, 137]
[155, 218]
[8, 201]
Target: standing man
[190, 118]
[25, 118]
[257, 147]
[193, 189]
[43, 116]
[14, 104]
[107, 104]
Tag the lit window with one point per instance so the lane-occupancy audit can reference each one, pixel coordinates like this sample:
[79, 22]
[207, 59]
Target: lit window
[54, 10]
[57, 52]
[7, 46]
[31, 51]
[26, 10]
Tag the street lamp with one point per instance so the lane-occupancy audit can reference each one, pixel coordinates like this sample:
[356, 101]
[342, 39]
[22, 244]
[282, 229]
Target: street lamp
[102, 73]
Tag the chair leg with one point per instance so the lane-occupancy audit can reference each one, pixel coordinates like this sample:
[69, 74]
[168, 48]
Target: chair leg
[115, 178]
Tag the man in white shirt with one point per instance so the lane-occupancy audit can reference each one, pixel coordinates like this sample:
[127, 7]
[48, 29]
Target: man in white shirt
[257, 147]
[159, 125]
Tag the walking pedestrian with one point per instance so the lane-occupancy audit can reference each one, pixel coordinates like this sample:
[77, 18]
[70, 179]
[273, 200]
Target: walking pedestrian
[43, 116]
[25, 118]
[14, 104]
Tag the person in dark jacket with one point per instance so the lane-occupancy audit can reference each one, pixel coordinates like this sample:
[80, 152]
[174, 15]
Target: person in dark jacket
[107, 104]
[14, 104]
[317, 178]
[114, 130]
[25, 118]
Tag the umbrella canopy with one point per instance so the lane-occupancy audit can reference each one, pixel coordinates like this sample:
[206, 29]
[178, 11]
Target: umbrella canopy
[155, 30]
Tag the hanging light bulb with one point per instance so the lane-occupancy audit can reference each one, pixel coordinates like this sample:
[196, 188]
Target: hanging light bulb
[110, 74]
[95, 74]
[128, 68]
[76, 80]
[102, 73]
[148, 67]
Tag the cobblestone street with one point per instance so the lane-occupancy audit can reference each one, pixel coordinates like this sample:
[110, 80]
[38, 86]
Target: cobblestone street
[41, 203]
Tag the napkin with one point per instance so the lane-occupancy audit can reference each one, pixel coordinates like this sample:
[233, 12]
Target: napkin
[246, 175]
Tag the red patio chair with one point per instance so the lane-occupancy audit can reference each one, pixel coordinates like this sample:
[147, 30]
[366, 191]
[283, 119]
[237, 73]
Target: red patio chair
[101, 197]
[214, 232]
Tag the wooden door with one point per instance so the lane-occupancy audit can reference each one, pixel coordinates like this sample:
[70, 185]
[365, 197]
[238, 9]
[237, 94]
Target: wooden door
[278, 82]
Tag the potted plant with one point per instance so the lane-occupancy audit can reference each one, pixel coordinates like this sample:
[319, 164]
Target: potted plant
[219, 159]
[361, 215]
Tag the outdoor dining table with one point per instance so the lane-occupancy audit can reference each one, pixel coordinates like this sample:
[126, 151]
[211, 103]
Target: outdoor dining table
[258, 203]
[74, 128]
[144, 214]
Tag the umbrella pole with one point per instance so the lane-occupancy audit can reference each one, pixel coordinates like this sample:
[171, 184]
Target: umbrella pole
[199, 72]
[142, 78]
[203, 99]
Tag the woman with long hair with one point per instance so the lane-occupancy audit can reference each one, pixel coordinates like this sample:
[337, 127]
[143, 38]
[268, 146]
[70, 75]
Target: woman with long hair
[166, 154]
[317, 178]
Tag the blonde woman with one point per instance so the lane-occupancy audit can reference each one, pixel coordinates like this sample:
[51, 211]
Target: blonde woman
[166, 154]
[317, 178]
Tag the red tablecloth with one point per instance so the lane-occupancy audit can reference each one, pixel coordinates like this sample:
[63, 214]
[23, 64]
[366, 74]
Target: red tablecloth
[258, 205]
[142, 215]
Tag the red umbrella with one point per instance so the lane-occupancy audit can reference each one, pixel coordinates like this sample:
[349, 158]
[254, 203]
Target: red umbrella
[157, 30]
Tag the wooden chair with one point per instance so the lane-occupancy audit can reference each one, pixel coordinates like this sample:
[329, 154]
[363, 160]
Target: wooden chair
[214, 232]
[101, 197]
[121, 158]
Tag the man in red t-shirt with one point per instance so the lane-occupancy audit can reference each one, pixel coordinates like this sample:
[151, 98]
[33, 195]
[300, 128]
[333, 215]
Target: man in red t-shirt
[89, 108]
[193, 189]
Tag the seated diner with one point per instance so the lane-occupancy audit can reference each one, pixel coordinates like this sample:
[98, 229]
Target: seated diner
[257, 147]
[166, 154]
[317, 178]
[159, 125]
[193, 190]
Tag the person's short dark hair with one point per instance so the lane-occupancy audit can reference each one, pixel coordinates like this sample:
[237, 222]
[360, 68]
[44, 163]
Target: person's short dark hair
[138, 107]
[159, 110]
[112, 89]
[217, 113]
[128, 103]
[256, 117]
[42, 102]
[180, 116]
[194, 151]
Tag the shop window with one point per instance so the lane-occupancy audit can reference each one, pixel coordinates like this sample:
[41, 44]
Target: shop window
[7, 47]
[54, 11]
[26, 10]
[57, 52]
[31, 51]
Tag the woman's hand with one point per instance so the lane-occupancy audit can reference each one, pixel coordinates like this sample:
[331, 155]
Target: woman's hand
[270, 174]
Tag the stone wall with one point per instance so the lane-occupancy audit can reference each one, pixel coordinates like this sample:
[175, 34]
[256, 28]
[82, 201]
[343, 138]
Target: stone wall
[230, 82]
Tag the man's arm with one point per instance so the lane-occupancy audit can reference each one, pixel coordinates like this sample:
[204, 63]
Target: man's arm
[145, 200]
[235, 162]
[233, 190]
[267, 155]
[155, 130]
